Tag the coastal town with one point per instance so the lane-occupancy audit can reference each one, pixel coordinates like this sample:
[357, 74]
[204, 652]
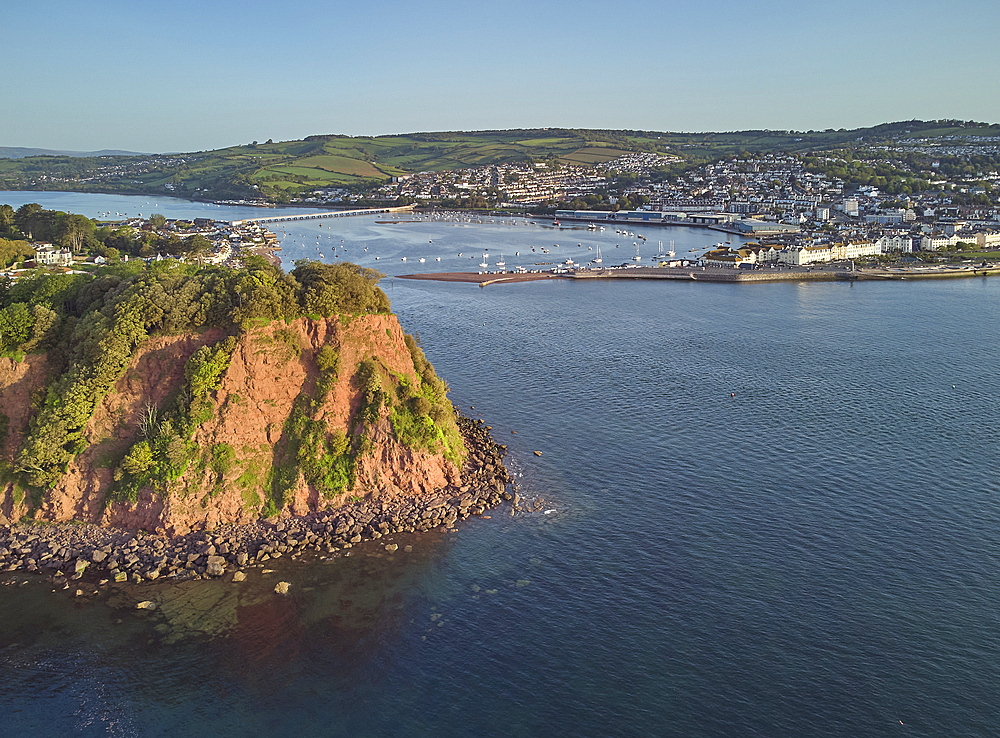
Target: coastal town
[922, 202]
[792, 215]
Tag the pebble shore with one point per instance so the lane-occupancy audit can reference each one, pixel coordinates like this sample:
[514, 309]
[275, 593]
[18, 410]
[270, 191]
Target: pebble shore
[69, 551]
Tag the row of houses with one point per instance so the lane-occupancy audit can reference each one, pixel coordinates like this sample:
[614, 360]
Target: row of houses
[804, 254]
[983, 240]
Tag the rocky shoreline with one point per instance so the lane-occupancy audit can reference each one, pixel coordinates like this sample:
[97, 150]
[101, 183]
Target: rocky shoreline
[69, 551]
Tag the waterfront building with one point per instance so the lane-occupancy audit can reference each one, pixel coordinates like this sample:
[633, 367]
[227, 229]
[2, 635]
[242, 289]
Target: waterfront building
[889, 244]
[752, 226]
[48, 255]
[988, 240]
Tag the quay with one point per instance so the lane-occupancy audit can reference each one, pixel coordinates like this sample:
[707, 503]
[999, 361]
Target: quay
[718, 275]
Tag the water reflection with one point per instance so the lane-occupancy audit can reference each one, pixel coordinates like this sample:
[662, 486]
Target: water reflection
[240, 640]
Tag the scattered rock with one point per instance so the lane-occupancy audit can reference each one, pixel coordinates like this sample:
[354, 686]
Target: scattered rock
[538, 453]
[391, 547]
[282, 588]
[146, 605]
[239, 577]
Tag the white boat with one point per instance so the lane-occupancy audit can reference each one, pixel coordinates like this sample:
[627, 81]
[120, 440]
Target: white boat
[501, 263]
[636, 257]
[597, 259]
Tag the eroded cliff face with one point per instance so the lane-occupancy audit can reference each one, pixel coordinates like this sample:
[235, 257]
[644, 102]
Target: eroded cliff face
[245, 438]
[19, 380]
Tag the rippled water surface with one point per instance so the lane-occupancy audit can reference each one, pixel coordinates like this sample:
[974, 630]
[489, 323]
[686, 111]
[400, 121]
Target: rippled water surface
[772, 510]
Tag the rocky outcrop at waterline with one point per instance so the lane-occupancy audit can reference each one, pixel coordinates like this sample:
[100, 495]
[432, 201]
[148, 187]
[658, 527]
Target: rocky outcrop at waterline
[68, 552]
[180, 420]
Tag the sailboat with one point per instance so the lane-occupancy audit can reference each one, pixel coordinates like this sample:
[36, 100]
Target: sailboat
[501, 263]
[636, 257]
[597, 259]
[484, 264]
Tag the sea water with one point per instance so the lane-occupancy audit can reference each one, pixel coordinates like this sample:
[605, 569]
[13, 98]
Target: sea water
[764, 509]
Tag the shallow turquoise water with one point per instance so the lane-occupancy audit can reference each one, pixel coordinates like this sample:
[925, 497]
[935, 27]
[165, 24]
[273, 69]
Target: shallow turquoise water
[816, 555]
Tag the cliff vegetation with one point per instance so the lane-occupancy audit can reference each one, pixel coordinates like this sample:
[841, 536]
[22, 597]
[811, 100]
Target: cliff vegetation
[168, 397]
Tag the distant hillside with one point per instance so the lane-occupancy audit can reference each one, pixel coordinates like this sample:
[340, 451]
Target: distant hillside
[276, 171]
[19, 152]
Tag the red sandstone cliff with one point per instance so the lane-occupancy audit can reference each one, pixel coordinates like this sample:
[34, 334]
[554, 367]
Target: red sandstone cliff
[270, 368]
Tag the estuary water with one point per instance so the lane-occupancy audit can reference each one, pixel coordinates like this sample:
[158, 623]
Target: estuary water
[769, 510]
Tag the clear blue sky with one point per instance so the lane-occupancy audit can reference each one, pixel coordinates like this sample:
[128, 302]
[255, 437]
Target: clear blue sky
[179, 75]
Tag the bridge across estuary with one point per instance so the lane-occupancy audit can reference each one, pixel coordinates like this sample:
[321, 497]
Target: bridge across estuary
[327, 214]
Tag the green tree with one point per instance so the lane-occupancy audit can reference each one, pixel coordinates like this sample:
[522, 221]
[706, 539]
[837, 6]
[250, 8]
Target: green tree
[16, 322]
[139, 459]
[74, 230]
[7, 227]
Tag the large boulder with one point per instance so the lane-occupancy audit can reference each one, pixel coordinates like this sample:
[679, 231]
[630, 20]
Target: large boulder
[216, 566]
